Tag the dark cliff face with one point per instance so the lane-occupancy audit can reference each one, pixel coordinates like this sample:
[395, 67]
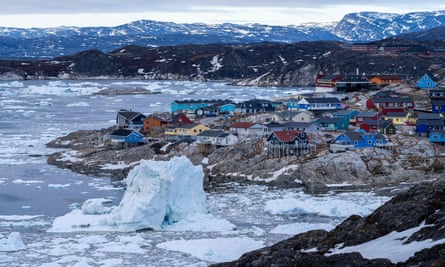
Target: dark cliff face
[264, 64]
[421, 204]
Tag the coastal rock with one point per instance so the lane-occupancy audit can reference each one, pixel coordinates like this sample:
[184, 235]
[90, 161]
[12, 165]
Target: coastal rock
[422, 206]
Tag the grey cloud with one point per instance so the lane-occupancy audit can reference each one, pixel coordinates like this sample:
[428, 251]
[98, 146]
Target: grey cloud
[120, 6]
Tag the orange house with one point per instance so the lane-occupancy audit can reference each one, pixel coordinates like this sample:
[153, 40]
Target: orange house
[383, 80]
[154, 123]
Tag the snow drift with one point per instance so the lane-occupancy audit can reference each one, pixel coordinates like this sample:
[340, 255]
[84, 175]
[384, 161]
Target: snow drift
[159, 194]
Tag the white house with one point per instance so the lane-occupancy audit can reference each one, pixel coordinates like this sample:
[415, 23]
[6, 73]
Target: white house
[217, 137]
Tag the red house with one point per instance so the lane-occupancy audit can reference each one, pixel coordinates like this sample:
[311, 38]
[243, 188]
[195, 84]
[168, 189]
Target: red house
[390, 104]
[180, 119]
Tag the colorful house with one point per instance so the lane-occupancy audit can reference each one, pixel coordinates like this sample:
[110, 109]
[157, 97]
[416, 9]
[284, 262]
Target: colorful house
[215, 110]
[255, 106]
[130, 119]
[332, 124]
[438, 105]
[422, 116]
[179, 119]
[390, 104]
[192, 105]
[424, 127]
[187, 131]
[153, 123]
[348, 114]
[398, 118]
[383, 80]
[379, 126]
[126, 136]
[367, 115]
[437, 137]
[360, 139]
[426, 82]
[436, 93]
[287, 143]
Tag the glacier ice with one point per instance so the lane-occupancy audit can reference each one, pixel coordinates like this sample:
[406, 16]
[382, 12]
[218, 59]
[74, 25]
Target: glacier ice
[159, 194]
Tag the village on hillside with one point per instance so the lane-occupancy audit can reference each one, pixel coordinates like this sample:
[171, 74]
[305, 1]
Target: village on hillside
[299, 124]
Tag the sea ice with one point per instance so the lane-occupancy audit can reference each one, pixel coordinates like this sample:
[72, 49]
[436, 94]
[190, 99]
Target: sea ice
[214, 250]
[12, 243]
[159, 195]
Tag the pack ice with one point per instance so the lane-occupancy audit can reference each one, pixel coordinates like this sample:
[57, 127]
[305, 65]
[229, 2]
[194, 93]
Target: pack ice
[159, 195]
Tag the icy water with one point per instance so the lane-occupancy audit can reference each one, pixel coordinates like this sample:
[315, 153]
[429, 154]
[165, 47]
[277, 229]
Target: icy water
[33, 193]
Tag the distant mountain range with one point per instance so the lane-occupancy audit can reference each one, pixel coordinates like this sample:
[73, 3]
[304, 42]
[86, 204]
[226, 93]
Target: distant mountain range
[354, 27]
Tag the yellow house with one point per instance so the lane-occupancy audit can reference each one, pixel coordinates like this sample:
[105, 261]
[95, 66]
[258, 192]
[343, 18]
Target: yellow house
[189, 129]
[398, 118]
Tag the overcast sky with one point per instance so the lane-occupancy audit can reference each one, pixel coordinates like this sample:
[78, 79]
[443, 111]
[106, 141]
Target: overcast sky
[52, 13]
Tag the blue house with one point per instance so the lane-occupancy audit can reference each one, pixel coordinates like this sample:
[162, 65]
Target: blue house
[126, 136]
[426, 82]
[361, 139]
[425, 126]
[348, 114]
[333, 124]
[438, 105]
[437, 137]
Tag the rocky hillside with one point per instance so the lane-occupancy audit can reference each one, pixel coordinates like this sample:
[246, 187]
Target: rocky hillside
[265, 64]
[409, 230]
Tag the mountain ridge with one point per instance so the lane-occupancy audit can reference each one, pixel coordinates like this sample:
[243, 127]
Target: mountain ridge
[67, 40]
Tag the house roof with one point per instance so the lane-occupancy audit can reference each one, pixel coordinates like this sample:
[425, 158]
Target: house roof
[328, 120]
[189, 125]
[438, 101]
[212, 133]
[178, 119]
[438, 122]
[387, 77]
[287, 136]
[379, 123]
[354, 135]
[244, 125]
[122, 132]
[323, 100]
[130, 115]
[344, 112]
[274, 125]
[152, 116]
[367, 114]
[296, 124]
[392, 100]
[396, 114]
[427, 116]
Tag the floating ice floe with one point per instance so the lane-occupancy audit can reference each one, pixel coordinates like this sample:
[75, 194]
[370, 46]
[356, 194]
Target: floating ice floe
[12, 243]
[165, 195]
[215, 249]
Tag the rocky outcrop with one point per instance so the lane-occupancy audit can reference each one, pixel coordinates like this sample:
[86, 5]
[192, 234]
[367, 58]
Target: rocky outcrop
[411, 160]
[422, 204]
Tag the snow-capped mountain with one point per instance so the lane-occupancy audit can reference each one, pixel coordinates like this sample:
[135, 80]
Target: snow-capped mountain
[51, 42]
[370, 26]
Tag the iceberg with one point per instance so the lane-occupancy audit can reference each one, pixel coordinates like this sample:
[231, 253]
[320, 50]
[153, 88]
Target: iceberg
[159, 195]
